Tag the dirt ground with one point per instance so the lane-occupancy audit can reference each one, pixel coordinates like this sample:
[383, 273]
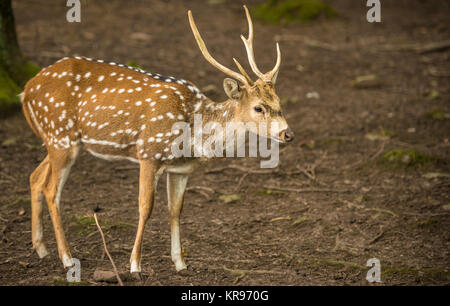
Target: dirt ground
[342, 204]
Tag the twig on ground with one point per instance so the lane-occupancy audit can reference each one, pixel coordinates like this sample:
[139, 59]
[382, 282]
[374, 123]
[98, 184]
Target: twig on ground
[107, 252]
[5, 228]
[202, 190]
[303, 190]
[378, 153]
[241, 273]
[338, 243]
[132, 167]
[243, 169]
[375, 239]
[420, 48]
[373, 157]
[9, 177]
[240, 181]
[310, 169]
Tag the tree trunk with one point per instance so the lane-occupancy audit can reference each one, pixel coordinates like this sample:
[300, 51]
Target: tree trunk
[15, 69]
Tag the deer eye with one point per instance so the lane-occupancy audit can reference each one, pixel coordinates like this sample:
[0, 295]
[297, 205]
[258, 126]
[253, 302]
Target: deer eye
[258, 109]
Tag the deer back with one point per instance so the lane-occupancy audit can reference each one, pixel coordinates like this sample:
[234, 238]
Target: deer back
[114, 110]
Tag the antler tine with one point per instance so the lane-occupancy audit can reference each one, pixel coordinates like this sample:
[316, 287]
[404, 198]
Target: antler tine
[207, 55]
[244, 73]
[272, 75]
[249, 45]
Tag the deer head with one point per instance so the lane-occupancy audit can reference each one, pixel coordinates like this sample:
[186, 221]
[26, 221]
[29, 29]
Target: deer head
[257, 101]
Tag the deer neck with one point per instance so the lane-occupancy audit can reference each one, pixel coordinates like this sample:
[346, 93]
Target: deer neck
[211, 118]
[216, 112]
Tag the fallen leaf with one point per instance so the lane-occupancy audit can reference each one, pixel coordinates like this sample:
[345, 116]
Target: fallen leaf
[312, 95]
[433, 94]
[432, 175]
[366, 81]
[299, 221]
[279, 219]
[24, 264]
[140, 36]
[9, 142]
[270, 192]
[376, 136]
[230, 198]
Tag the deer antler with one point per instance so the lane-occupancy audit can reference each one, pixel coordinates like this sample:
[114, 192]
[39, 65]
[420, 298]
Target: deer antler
[270, 76]
[244, 73]
[209, 58]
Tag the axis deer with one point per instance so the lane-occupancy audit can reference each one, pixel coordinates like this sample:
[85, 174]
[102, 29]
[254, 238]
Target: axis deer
[119, 112]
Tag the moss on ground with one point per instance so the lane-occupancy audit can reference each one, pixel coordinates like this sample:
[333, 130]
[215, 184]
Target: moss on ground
[407, 157]
[9, 89]
[438, 114]
[85, 225]
[288, 11]
[425, 274]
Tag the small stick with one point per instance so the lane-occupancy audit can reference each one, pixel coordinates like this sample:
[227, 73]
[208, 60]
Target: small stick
[307, 189]
[240, 181]
[375, 239]
[106, 250]
[243, 169]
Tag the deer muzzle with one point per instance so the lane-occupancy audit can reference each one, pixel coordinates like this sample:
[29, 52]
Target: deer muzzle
[286, 135]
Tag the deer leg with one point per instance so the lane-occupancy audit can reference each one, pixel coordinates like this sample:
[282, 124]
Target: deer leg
[38, 180]
[147, 183]
[176, 185]
[61, 161]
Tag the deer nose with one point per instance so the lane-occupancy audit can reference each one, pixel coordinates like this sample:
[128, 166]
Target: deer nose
[287, 135]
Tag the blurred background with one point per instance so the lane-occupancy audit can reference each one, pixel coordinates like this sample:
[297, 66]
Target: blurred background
[366, 177]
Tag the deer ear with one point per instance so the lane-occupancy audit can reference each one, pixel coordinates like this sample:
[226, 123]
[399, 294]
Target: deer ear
[232, 89]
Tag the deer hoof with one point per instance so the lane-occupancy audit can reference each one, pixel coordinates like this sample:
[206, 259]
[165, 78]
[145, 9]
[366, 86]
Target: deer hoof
[67, 261]
[180, 266]
[41, 250]
[137, 276]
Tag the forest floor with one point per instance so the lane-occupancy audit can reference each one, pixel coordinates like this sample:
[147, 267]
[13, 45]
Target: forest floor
[343, 202]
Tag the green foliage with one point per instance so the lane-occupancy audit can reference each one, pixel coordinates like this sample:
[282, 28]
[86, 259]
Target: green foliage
[333, 141]
[433, 94]
[438, 114]
[9, 88]
[270, 192]
[407, 157]
[380, 135]
[299, 221]
[9, 99]
[366, 81]
[287, 11]
[85, 225]
[134, 64]
[15, 69]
